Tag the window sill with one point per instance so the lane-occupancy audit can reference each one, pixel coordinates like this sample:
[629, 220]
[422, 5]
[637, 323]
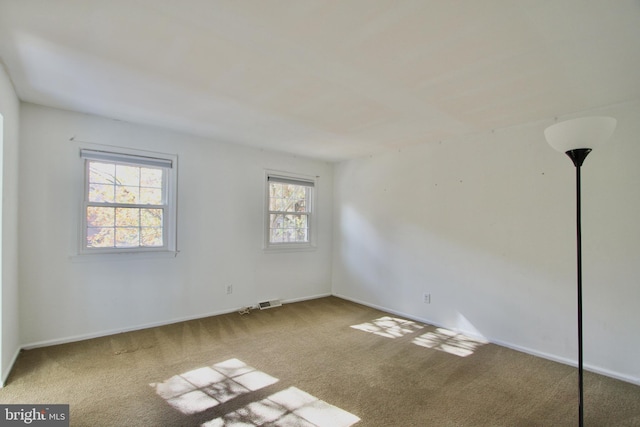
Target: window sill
[122, 256]
[289, 248]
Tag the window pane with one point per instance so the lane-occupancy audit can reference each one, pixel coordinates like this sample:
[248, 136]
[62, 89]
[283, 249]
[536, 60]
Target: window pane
[288, 197]
[128, 175]
[302, 235]
[124, 227]
[276, 233]
[281, 204]
[127, 217]
[298, 192]
[276, 236]
[151, 177]
[300, 205]
[294, 221]
[289, 235]
[150, 196]
[298, 221]
[273, 204]
[100, 217]
[151, 217]
[100, 237]
[288, 228]
[101, 193]
[151, 237]
[127, 237]
[102, 173]
[294, 199]
[276, 220]
[288, 205]
[127, 194]
[275, 190]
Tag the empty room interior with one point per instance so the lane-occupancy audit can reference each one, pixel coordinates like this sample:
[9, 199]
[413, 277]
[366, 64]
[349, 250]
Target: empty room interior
[321, 213]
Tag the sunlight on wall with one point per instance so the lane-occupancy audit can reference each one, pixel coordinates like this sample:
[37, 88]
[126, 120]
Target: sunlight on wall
[363, 253]
[389, 327]
[441, 339]
[204, 388]
[463, 324]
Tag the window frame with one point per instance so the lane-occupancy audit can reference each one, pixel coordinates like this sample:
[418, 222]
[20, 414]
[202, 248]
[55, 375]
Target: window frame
[312, 212]
[131, 157]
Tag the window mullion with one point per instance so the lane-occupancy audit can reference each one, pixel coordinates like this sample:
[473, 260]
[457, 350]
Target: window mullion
[125, 205]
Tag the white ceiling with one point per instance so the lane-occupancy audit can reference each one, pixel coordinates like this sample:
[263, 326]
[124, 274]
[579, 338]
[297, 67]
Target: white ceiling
[327, 79]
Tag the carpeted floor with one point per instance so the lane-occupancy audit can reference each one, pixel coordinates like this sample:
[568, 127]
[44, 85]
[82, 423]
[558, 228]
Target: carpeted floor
[325, 362]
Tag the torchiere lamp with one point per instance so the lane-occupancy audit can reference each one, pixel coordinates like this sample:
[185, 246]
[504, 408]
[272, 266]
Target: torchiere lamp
[576, 138]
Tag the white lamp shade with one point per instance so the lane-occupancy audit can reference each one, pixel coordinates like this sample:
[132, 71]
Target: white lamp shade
[585, 132]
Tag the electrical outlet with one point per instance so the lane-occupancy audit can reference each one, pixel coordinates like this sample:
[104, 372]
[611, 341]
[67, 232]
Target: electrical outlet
[229, 289]
[426, 298]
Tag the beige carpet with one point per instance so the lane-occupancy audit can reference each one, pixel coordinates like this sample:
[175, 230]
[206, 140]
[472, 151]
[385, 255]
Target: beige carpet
[326, 362]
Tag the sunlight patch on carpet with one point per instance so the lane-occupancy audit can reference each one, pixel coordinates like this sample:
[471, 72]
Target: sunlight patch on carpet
[450, 342]
[389, 327]
[205, 388]
[290, 407]
[441, 339]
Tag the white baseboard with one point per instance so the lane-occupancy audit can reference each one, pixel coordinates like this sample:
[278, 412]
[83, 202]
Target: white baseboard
[105, 333]
[289, 301]
[533, 352]
[108, 332]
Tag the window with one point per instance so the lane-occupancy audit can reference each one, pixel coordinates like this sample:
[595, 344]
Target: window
[290, 211]
[129, 202]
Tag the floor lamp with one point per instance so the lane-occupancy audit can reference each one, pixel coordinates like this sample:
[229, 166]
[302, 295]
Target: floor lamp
[576, 138]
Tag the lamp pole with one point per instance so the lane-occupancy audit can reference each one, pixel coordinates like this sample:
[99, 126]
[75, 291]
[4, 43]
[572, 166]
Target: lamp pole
[576, 138]
[578, 156]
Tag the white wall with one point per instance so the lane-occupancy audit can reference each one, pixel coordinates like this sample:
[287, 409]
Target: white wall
[220, 226]
[486, 225]
[9, 331]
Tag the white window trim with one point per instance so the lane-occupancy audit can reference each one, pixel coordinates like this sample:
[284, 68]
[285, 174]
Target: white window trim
[170, 249]
[313, 220]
